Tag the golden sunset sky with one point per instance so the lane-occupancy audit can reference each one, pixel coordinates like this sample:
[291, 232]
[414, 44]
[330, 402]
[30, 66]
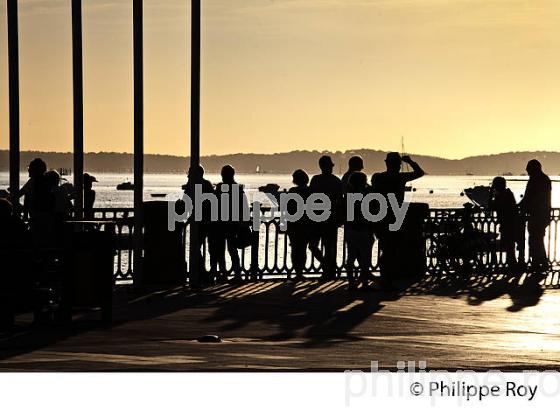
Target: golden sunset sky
[454, 77]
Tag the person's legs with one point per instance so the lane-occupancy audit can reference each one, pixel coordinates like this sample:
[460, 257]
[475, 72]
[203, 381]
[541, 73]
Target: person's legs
[537, 251]
[233, 254]
[507, 245]
[218, 253]
[329, 238]
[202, 234]
[364, 256]
[298, 252]
[351, 256]
[314, 247]
[389, 257]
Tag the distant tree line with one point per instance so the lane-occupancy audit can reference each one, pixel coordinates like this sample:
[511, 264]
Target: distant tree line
[511, 162]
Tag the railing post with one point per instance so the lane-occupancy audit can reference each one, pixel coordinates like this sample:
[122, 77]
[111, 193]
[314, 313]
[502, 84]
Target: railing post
[77, 73]
[13, 69]
[138, 44]
[255, 255]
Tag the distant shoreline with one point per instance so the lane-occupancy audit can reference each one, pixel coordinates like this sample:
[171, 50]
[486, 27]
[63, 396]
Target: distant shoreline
[285, 163]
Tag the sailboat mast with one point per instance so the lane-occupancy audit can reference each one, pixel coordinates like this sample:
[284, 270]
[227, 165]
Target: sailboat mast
[403, 152]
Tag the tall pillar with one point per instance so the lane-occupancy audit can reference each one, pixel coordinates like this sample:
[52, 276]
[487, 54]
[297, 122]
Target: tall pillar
[13, 79]
[194, 255]
[138, 50]
[77, 73]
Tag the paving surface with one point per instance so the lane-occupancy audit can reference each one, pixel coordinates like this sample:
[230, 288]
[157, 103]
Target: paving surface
[483, 323]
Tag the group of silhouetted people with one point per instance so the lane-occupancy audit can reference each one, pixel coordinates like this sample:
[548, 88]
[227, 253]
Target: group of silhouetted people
[359, 232]
[29, 230]
[225, 233]
[320, 239]
[533, 211]
[47, 203]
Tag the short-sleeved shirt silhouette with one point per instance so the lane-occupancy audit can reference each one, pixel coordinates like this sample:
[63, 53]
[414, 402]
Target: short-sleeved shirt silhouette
[291, 206]
[331, 186]
[345, 178]
[507, 214]
[392, 183]
[235, 207]
[206, 188]
[537, 199]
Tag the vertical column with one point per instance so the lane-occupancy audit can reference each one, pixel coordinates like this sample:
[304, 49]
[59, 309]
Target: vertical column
[13, 75]
[138, 50]
[194, 255]
[77, 73]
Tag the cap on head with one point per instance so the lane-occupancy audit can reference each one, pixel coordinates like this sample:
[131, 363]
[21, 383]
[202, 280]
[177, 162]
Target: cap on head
[393, 157]
[393, 161]
[326, 162]
[300, 177]
[89, 178]
[356, 163]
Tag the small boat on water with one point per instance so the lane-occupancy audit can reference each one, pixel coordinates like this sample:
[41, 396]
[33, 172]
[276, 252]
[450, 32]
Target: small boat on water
[158, 195]
[125, 186]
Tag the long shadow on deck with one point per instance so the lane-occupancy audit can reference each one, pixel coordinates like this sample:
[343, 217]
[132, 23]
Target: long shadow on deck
[316, 314]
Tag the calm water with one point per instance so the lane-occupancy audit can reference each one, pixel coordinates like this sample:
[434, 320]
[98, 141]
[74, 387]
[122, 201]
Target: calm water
[446, 189]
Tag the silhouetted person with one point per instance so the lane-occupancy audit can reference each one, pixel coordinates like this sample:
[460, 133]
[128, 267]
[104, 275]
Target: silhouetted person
[38, 203]
[298, 231]
[13, 243]
[228, 229]
[536, 203]
[355, 164]
[392, 181]
[61, 204]
[89, 196]
[205, 226]
[327, 231]
[503, 202]
[35, 191]
[13, 231]
[358, 235]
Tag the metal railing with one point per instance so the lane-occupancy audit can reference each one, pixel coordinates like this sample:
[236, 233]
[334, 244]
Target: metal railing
[455, 239]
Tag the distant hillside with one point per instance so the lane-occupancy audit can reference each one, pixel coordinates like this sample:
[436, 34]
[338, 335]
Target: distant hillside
[497, 164]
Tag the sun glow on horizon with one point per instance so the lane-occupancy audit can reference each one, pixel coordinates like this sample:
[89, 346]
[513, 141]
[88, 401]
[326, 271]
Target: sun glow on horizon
[455, 78]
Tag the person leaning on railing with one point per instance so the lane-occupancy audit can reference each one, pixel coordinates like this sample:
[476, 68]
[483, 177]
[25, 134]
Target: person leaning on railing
[392, 181]
[536, 203]
[503, 203]
[326, 231]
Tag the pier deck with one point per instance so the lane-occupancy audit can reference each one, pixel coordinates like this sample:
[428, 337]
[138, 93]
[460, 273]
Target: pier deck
[486, 323]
